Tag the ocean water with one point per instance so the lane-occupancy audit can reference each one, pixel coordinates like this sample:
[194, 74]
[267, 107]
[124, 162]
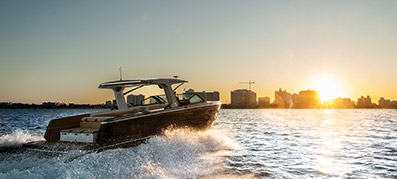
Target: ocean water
[260, 143]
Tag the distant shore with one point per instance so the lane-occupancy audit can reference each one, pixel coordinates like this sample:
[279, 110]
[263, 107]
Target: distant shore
[8, 105]
[273, 106]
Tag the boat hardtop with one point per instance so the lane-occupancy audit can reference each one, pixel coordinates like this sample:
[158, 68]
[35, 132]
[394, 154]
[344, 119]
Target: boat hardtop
[138, 82]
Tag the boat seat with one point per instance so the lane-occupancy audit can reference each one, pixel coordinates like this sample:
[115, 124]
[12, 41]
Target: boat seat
[80, 131]
[92, 122]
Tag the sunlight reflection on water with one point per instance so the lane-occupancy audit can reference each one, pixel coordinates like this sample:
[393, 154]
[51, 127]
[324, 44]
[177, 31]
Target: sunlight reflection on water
[315, 143]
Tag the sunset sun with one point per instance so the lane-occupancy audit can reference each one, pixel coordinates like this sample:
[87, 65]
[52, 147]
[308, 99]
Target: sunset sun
[328, 87]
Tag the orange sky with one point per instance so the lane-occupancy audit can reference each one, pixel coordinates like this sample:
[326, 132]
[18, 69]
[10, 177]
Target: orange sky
[61, 51]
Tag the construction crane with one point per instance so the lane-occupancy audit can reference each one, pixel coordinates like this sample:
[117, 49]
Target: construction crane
[249, 83]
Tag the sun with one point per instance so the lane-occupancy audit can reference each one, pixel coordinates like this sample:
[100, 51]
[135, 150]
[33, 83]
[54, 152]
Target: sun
[328, 87]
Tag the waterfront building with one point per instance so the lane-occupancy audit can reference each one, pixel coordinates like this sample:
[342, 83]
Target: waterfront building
[212, 96]
[209, 96]
[340, 103]
[394, 104]
[243, 98]
[309, 99]
[53, 104]
[48, 104]
[283, 99]
[135, 100]
[294, 100]
[364, 102]
[384, 103]
[264, 101]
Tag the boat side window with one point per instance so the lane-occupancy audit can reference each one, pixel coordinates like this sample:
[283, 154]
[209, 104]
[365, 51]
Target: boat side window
[195, 99]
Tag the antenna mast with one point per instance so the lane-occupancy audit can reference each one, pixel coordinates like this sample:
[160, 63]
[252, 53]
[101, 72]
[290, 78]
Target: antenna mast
[121, 76]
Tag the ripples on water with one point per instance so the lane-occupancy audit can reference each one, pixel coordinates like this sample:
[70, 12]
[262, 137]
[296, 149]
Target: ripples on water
[314, 143]
[243, 143]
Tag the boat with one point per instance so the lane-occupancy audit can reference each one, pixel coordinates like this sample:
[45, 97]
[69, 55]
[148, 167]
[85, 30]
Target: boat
[127, 125]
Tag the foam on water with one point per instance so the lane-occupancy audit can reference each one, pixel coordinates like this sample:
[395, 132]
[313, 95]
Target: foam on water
[17, 138]
[178, 154]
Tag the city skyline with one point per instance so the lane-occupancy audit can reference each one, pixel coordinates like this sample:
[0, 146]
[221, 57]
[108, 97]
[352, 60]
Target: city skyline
[61, 51]
[215, 95]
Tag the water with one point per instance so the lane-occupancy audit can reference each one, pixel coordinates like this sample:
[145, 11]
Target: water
[268, 143]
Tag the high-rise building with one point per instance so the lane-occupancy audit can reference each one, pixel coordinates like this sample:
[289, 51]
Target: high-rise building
[341, 103]
[135, 100]
[394, 104]
[264, 101]
[384, 103]
[209, 96]
[243, 98]
[309, 99]
[283, 99]
[294, 100]
[364, 102]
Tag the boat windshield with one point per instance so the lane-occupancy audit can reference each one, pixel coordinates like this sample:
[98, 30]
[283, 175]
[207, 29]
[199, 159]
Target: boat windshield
[189, 98]
[183, 99]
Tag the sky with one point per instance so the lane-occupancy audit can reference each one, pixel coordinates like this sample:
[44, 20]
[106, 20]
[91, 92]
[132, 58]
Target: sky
[62, 50]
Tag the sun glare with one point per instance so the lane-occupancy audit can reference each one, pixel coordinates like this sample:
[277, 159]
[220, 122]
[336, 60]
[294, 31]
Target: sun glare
[328, 88]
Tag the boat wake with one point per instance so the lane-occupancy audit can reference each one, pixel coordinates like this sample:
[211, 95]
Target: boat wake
[17, 138]
[179, 153]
